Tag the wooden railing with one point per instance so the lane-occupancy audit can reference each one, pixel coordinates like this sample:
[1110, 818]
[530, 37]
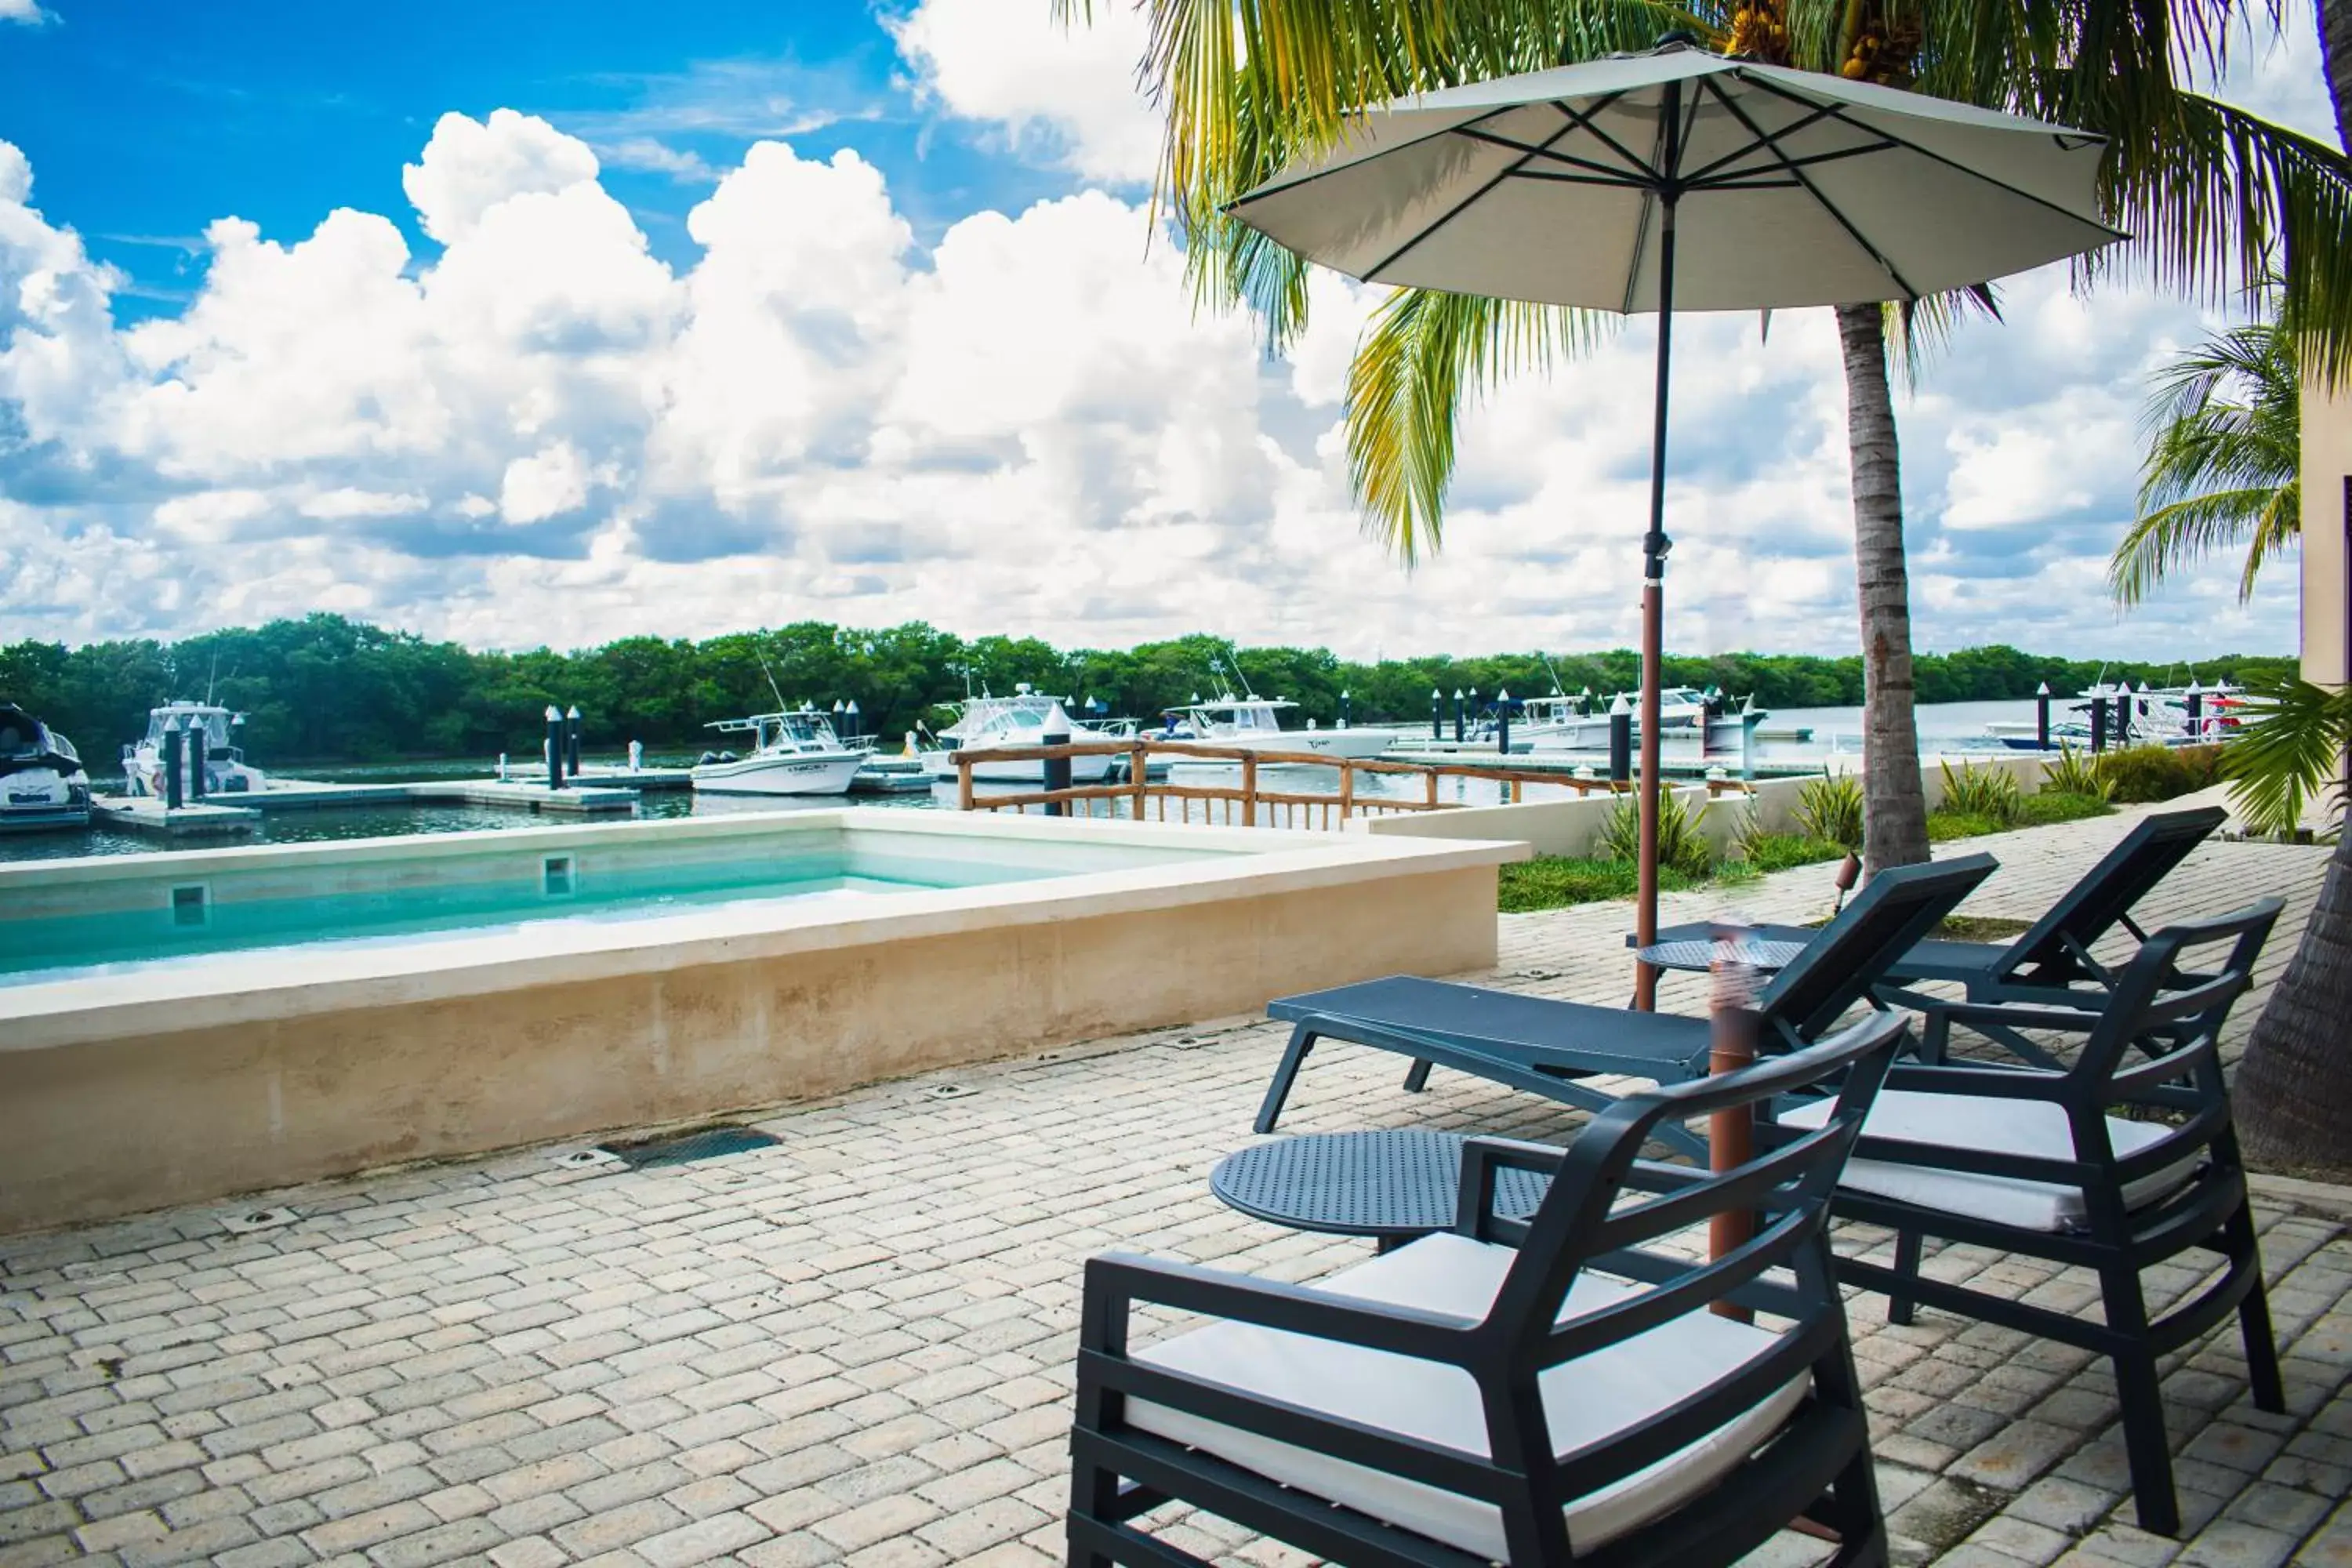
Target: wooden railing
[1251, 804]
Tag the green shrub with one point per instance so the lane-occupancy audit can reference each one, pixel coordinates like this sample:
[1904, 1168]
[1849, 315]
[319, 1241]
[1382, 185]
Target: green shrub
[1989, 793]
[1829, 808]
[2075, 773]
[1554, 881]
[1680, 843]
[2054, 805]
[2138, 775]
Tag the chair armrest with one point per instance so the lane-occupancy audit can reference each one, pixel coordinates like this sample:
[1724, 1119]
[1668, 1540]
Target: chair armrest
[1115, 1280]
[1474, 1206]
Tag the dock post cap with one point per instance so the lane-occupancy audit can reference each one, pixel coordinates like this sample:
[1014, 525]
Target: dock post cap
[1620, 706]
[2042, 689]
[552, 715]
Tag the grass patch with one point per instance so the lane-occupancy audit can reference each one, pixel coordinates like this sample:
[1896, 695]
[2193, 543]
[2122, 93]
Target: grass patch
[2059, 806]
[1947, 824]
[1556, 881]
[1982, 928]
[1782, 851]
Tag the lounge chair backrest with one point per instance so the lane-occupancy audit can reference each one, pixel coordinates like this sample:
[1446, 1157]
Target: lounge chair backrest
[2046, 953]
[1854, 951]
[1585, 1222]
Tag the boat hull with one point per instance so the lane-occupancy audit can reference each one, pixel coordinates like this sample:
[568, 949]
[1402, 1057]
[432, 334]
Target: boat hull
[780, 775]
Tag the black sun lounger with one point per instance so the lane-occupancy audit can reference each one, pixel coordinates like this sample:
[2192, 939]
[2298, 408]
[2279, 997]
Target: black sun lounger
[1548, 1046]
[2055, 952]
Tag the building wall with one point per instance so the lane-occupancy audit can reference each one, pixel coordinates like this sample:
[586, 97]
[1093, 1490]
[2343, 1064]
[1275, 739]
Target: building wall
[2326, 479]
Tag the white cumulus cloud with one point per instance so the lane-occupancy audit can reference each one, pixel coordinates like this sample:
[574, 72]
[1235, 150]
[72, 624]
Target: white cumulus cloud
[1070, 93]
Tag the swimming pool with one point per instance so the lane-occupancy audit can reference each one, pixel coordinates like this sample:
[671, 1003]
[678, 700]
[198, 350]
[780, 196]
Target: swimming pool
[180, 1027]
[115, 917]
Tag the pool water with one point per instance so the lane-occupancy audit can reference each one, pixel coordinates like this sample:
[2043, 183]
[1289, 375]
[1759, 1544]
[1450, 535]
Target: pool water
[191, 916]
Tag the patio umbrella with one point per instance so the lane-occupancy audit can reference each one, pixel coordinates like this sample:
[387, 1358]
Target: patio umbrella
[1684, 180]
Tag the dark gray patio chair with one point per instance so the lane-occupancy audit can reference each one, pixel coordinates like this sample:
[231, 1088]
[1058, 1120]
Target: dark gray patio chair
[1550, 1047]
[2039, 1162]
[2054, 952]
[1530, 1391]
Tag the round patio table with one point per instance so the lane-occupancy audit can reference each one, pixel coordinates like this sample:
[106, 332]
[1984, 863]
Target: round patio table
[1392, 1184]
[1699, 953]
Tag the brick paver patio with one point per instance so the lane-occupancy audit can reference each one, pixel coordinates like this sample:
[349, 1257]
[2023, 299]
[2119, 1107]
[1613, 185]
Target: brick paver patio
[856, 1346]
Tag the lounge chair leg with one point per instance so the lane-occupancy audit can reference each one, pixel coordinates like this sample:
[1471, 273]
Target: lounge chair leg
[2254, 1316]
[1302, 1040]
[1901, 1308]
[1416, 1076]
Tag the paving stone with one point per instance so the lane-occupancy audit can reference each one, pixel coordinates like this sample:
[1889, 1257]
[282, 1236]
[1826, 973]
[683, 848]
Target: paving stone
[856, 1347]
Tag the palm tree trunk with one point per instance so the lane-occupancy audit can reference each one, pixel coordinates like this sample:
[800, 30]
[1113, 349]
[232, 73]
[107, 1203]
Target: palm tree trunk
[2336, 56]
[1895, 811]
[2293, 1092]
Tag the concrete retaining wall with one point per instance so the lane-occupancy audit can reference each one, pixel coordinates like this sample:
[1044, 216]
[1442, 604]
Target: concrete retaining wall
[112, 1103]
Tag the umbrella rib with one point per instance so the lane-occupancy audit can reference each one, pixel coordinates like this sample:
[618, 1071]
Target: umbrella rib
[1814, 191]
[1614, 183]
[1583, 122]
[1458, 208]
[1270, 190]
[1840, 114]
[1820, 113]
[1725, 181]
[1621, 176]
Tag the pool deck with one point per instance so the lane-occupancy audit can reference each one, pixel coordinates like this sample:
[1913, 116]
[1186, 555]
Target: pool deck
[856, 1346]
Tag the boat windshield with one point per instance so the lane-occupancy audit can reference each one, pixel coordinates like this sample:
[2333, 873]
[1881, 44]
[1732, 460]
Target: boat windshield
[992, 716]
[1241, 718]
[214, 719]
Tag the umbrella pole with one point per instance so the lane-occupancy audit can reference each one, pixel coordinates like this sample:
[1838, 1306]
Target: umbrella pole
[1655, 545]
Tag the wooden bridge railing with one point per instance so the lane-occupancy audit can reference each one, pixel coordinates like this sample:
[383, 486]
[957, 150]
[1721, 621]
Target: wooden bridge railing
[1255, 804]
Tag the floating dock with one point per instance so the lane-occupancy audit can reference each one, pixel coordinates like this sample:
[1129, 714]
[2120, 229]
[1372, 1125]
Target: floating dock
[214, 816]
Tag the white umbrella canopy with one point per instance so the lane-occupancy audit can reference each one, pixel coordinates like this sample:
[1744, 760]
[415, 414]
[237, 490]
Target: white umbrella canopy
[1791, 188]
[1683, 179]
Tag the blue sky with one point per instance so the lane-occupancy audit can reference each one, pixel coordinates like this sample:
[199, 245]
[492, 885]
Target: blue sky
[147, 120]
[515, 323]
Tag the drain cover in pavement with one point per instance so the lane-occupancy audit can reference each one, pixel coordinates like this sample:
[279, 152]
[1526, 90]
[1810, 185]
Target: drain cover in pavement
[696, 1143]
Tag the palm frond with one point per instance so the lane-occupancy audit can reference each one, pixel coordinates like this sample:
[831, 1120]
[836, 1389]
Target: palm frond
[2289, 754]
[1423, 354]
[2162, 541]
[2223, 427]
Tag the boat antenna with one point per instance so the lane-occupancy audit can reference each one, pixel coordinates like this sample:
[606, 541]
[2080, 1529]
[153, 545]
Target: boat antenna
[777, 690]
[210, 674]
[1557, 689]
[1233, 667]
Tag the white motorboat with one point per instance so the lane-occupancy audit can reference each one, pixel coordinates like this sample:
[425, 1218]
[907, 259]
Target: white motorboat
[42, 781]
[793, 753]
[1255, 723]
[1682, 711]
[209, 752]
[1024, 719]
[2159, 716]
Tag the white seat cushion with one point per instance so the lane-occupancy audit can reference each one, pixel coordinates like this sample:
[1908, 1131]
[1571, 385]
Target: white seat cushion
[1585, 1401]
[1990, 1126]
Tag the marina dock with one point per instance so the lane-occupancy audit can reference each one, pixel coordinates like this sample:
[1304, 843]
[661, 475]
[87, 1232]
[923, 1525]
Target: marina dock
[150, 813]
[593, 791]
